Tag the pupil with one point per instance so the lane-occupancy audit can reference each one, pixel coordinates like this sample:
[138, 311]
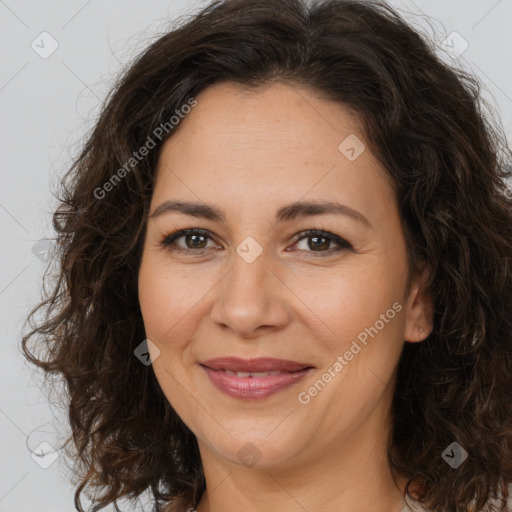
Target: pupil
[316, 238]
[194, 237]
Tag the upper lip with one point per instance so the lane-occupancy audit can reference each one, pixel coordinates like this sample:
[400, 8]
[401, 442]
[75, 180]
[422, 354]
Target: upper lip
[260, 364]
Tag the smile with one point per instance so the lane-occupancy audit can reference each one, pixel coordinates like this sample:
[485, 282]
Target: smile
[256, 385]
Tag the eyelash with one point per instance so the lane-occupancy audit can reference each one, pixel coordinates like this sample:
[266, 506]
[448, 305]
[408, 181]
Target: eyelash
[168, 240]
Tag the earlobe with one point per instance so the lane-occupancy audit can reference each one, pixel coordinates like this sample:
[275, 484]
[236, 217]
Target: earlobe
[418, 310]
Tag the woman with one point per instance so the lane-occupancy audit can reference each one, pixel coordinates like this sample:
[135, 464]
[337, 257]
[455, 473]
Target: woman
[284, 278]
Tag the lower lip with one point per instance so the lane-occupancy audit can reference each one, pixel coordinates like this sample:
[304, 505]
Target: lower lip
[251, 388]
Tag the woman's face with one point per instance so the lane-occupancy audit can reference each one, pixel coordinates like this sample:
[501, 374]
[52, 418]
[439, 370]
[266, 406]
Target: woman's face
[333, 305]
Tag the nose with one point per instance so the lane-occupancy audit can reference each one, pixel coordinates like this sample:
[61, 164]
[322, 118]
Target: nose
[251, 299]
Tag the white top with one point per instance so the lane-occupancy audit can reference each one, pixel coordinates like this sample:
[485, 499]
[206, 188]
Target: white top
[413, 506]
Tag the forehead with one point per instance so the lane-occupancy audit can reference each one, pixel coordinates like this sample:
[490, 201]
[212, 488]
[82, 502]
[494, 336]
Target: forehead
[267, 145]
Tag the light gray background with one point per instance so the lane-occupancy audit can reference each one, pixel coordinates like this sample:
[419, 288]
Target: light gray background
[47, 106]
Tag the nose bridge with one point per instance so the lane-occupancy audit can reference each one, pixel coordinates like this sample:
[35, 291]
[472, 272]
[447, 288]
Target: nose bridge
[249, 295]
[247, 281]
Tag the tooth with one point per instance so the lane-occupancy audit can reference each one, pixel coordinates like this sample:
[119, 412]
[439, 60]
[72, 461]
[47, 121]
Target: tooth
[260, 374]
[252, 374]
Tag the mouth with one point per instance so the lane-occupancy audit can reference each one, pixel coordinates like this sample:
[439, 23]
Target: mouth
[258, 365]
[254, 378]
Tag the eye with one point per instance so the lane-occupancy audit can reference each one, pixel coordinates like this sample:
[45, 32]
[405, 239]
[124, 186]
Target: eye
[320, 240]
[196, 240]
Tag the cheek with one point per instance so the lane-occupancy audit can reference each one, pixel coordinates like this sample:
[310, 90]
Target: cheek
[347, 302]
[155, 301]
[167, 304]
[167, 298]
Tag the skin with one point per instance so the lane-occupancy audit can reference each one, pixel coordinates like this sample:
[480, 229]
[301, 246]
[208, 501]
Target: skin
[248, 153]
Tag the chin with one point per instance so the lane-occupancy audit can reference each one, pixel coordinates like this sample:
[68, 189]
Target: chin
[257, 448]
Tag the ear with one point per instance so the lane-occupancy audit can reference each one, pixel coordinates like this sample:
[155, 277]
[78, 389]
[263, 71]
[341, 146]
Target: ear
[418, 309]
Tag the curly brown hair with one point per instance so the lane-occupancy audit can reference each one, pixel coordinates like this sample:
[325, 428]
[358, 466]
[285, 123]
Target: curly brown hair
[449, 163]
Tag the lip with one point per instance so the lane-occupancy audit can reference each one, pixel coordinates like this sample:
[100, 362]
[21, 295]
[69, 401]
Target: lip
[286, 374]
[260, 364]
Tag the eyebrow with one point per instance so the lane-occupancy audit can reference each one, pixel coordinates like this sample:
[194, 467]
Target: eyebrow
[288, 212]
